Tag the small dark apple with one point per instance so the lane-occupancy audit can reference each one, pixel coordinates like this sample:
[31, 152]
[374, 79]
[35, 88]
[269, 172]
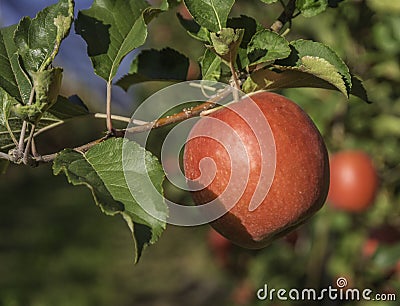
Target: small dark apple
[299, 184]
[354, 181]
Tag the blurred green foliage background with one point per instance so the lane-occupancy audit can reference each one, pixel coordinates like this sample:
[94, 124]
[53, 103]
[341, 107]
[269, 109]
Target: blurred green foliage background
[57, 248]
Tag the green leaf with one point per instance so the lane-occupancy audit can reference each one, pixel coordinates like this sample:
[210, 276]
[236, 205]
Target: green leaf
[226, 43]
[211, 66]
[67, 108]
[153, 65]
[266, 46]
[211, 14]
[306, 48]
[13, 79]
[6, 104]
[358, 89]
[152, 12]
[39, 39]
[194, 29]
[286, 77]
[310, 8]
[101, 170]
[47, 85]
[112, 29]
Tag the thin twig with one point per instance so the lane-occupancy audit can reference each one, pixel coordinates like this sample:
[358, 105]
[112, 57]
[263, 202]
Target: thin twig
[178, 117]
[11, 133]
[25, 125]
[81, 149]
[113, 117]
[183, 115]
[4, 156]
[285, 17]
[28, 145]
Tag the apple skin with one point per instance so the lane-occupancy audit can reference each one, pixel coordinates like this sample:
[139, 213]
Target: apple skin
[300, 183]
[354, 181]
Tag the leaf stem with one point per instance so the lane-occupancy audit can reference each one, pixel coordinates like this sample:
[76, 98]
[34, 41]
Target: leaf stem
[108, 108]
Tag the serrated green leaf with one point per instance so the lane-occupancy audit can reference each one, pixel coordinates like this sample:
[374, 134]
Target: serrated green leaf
[226, 43]
[211, 14]
[153, 65]
[112, 29]
[358, 89]
[13, 79]
[39, 39]
[194, 29]
[310, 8]
[101, 170]
[277, 77]
[324, 70]
[267, 46]
[47, 85]
[211, 66]
[304, 48]
[284, 77]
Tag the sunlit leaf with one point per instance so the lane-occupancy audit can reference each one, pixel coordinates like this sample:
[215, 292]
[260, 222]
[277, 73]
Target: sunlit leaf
[13, 79]
[211, 14]
[266, 46]
[310, 8]
[39, 39]
[211, 66]
[112, 29]
[304, 49]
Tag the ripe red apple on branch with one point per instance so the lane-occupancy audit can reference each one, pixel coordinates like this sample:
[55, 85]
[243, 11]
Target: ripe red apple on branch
[224, 144]
[354, 181]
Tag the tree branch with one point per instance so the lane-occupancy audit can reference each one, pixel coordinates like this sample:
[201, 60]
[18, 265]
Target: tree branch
[178, 117]
[286, 16]
[145, 126]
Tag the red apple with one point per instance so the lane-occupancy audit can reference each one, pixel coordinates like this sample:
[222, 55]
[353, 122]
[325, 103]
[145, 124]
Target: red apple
[300, 181]
[382, 235]
[354, 181]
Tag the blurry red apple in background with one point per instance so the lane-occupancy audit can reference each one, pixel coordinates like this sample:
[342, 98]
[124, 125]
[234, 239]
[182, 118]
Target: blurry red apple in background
[219, 246]
[300, 182]
[354, 181]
